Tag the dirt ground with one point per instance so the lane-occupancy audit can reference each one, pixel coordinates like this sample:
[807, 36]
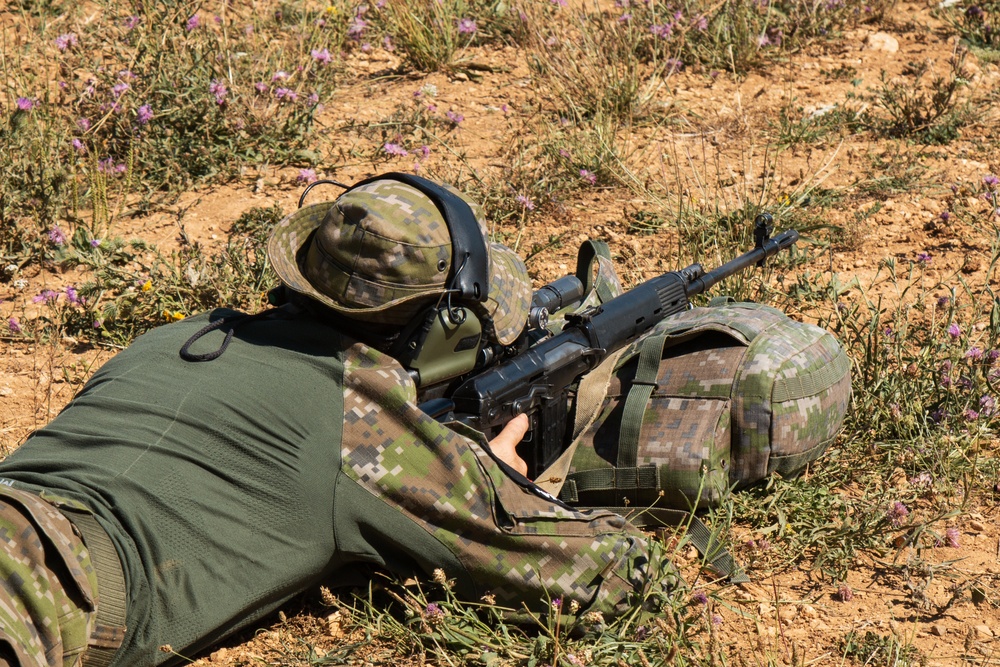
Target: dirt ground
[787, 618]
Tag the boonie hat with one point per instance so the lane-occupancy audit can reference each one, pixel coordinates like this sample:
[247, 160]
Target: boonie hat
[382, 252]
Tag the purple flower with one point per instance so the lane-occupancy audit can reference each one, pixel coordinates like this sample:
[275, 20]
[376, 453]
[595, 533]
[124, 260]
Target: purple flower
[993, 355]
[588, 176]
[661, 30]
[974, 353]
[83, 124]
[144, 114]
[923, 258]
[72, 296]
[357, 28]
[14, 325]
[943, 301]
[700, 23]
[699, 597]
[945, 216]
[951, 537]
[98, 324]
[455, 118]
[990, 181]
[896, 513]
[66, 41]
[525, 203]
[395, 149]
[119, 89]
[467, 27]
[94, 243]
[192, 23]
[306, 176]
[970, 415]
[286, 94]
[433, 613]
[132, 22]
[387, 44]
[557, 604]
[46, 296]
[56, 236]
[219, 91]
[424, 150]
[988, 405]
[954, 330]
[716, 619]
[260, 86]
[78, 146]
[313, 99]
[558, 3]
[26, 103]
[844, 593]
[280, 75]
[674, 65]
[321, 56]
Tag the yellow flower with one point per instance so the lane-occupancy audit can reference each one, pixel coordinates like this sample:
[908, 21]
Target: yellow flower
[174, 316]
[332, 10]
[148, 285]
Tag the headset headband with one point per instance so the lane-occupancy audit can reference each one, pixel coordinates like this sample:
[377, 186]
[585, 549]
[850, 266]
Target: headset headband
[469, 274]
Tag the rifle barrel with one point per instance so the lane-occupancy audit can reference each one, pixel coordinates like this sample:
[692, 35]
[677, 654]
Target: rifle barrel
[767, 249]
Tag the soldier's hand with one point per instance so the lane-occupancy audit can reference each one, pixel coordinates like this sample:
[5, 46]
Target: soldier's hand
[505, 442]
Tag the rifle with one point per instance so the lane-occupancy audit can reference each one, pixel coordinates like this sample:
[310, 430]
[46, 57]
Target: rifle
[540, 379]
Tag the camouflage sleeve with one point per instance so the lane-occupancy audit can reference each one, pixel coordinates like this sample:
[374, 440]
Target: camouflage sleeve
[514, 545]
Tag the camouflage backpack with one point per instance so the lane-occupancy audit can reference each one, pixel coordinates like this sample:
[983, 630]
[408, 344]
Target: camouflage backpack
[711, 399]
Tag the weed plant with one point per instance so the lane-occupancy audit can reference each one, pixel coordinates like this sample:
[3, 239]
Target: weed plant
[135, 104]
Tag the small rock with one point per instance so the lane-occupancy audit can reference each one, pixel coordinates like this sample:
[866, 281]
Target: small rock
[6, 391]
[983, 631]
[938, 630]
[809, 611]
[882, 41]
[977, 527]
[462, 76]
[788, 614]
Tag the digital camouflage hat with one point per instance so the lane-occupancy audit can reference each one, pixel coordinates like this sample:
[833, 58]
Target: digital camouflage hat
[382, 252]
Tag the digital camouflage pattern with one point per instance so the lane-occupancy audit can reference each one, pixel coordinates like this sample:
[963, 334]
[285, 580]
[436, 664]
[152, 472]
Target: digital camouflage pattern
[48, 593]
[382, 252]
[742, 391]
[513, 544]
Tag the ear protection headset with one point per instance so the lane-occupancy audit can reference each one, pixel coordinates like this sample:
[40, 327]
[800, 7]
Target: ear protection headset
[444, 342]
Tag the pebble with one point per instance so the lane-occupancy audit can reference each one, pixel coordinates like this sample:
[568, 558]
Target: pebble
[983, 631]
[6, 391]
[882, 41]
[938, 630]
[977, 527]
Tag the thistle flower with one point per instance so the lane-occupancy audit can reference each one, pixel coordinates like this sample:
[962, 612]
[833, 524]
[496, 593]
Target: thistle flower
[46, 296]
[990, 181]
[455, 118]
[305, 176]
[395, 149]
[896, 513]
[467, 26]
[357, 28]
[557, 604]
[119, 89]
[14, 325]
[78, 146]
[923, 258]
[94, 243]
[219, 91]
[321, 56]
[65, 41]
[661, 30]
[699, 597]
[192, 23]
[72, 296]
[588, 176]
[844, 593]
[951, 537]
[132, 22]
[286, 94]
[56, 236]
[434, 614]
[954, 330]
[974, 353]
[525, 203]
[280, 75]
[26, 103]
[144, 114]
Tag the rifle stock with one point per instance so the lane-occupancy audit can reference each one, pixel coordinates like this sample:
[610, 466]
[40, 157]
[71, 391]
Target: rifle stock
[540, 379]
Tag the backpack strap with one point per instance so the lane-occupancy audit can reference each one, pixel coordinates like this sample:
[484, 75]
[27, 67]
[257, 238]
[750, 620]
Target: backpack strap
[589, 251]
[646, 375]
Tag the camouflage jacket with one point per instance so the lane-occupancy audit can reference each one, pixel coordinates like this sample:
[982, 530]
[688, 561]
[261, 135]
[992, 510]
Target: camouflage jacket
[230, 485]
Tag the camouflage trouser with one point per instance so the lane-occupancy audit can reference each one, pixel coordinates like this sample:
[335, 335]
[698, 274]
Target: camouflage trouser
[47, 585]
